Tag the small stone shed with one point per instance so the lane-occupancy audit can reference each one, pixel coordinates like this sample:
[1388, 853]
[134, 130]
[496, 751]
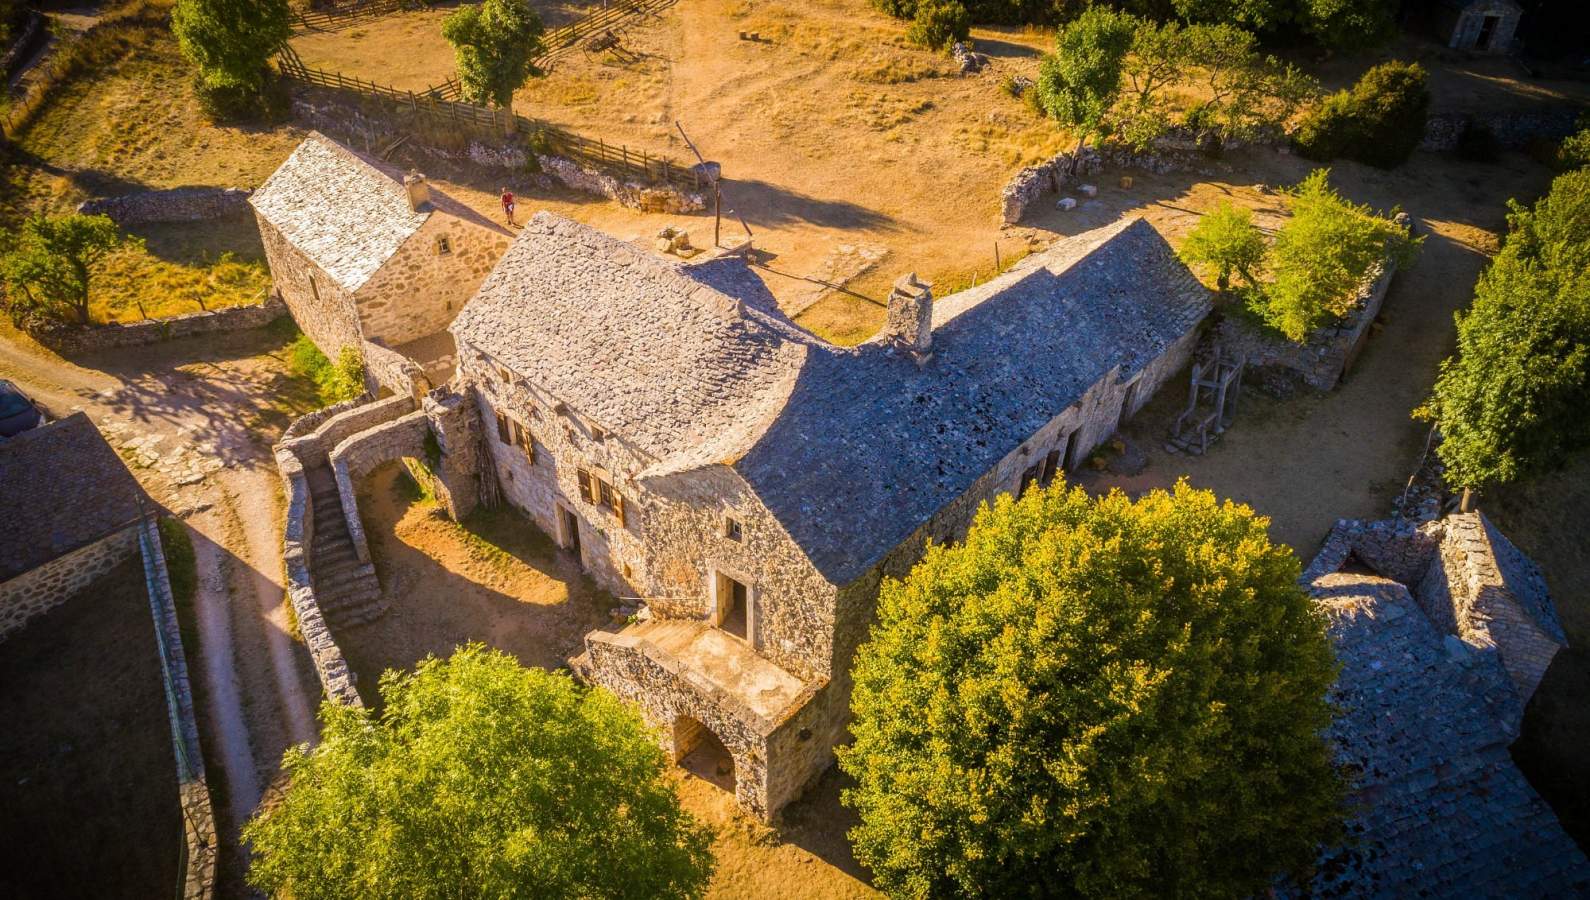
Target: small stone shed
[1484, 26]
[69, 509]
[752, 484]
[1442, 632]
[362, 252]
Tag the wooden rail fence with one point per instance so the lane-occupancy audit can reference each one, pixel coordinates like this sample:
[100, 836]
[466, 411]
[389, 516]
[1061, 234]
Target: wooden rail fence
[439, 103]
[610, 16]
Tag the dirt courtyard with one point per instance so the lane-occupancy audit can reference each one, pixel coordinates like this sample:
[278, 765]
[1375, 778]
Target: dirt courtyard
[500, 581]
[88, 783]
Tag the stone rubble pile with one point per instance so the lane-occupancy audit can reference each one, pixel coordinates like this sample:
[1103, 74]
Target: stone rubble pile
[970, 62]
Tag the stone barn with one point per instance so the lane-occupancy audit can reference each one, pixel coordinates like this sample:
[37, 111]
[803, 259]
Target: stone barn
[70, 513]
[750, 484]
[1484, 26]
[361, 252]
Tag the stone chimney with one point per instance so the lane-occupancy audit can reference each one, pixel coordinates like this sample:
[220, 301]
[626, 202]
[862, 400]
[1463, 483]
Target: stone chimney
[909, 324]
[419, 191]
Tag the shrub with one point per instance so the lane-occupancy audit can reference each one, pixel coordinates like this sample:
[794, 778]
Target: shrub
[334, 383]
[1094, 697]
[1379, 122]
[269, 102]
[1225, 241]
[1574, 152]
[480, 778]
[899, 9]
[231, 42]
[939, 23]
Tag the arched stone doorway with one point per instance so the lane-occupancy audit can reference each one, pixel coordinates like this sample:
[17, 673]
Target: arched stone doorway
[701, 753]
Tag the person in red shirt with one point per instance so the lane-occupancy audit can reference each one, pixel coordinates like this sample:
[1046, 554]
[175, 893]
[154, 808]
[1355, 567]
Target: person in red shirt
[507, 205]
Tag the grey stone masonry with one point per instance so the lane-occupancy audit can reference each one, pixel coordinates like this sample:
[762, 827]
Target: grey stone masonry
[47, 586]
[182, 204]
[90, 338]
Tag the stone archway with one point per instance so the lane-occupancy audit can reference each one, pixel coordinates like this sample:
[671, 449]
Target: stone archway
[703, 754]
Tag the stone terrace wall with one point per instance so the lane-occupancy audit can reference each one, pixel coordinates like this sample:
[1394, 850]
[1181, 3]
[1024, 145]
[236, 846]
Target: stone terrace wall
[1033, 183]
[183, 204]
[192, 784]
[1322, 360]
[74, 339]
[48, 586]
[1514, 129]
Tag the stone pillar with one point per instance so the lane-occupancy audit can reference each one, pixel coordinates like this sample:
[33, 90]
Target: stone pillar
[455, 423]
[909, 323]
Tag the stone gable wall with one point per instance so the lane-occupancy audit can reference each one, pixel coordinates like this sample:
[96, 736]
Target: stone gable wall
[673, 536]
[420, 290]
[323, 310]
[43, 588]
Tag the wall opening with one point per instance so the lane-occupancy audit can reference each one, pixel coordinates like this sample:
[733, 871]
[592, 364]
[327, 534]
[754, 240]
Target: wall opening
[734, 607]
[1487, 32]
[701, 753]
[569, 533]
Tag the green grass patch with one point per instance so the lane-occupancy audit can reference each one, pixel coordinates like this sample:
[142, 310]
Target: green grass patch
[334, 382]
[135, 284]
[181, 564]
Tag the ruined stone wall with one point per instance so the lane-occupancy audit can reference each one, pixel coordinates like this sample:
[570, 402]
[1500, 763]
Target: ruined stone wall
[455, 424]
[88, 339]
[673, 535]
[43, 588]
[1514, 130]
[420, 289]
[319, 305]
[182, 204]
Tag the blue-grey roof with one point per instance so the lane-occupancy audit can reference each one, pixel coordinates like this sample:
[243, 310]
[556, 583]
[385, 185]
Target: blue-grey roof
[869, 445]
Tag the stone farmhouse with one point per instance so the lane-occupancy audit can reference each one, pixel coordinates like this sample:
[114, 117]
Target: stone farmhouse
[752, 485]
[70, 514]
[363, 254]
[1443, 632]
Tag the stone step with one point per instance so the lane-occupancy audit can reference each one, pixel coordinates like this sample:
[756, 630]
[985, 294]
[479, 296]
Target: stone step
[327, 579]
[332, 554]
[348, 595]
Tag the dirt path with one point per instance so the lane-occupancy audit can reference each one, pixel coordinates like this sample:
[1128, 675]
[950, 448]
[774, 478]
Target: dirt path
[228, 731]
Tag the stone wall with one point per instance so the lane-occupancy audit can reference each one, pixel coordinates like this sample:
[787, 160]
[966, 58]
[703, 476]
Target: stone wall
[43, 588]
[358, 455]
[386, 369]
[192, 783]
[455, 425]
[67, 339]
[1175, 153]
[1327, 354]
[29, 39]
[183, 204]
[323, 310]
[1514, 130]
[421, 289]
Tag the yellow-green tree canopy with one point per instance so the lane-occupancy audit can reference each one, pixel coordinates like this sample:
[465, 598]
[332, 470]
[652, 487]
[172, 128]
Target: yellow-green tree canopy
[481, 778]
[1094, 697]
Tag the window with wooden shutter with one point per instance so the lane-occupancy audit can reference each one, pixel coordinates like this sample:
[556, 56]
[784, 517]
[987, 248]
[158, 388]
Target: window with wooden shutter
[503, 436]
[525, 440]
[584, 479]
[618, 507]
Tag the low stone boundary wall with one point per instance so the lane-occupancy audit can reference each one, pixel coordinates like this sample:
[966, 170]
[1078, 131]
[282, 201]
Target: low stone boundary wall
[87, 339]
[192, 784]
[182, 204]
[29, 39]
[1327, 355]
[1513, 130]
[335, 424]
[43, 588]
[389, 369]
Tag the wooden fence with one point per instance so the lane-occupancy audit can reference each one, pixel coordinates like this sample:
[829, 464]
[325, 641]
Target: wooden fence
[338, 17]
[610, 16]
[439, 103]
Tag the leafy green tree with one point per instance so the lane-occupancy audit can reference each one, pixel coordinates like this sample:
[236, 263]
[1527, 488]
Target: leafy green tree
[1094, 697]
[1224, 241]
[481, 778]
[231, 43]
[1349, 25]
[939, 23]
[495, 43]
[1575, 149]
[1079, 83]
[1513, 399]
[1379, 122]
[1322, 255]
[1254, 15]
[49, 263]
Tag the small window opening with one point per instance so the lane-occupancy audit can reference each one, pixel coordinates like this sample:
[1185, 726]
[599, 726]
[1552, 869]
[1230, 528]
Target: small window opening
[629, 573]
[597, 434]
[732, 529]
[444, 246]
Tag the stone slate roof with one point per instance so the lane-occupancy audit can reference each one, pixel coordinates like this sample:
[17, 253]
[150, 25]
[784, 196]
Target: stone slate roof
[61, 488]
[626, 338]
[1442, 810]
[869, 445]
[1526, 582]
[347, 212]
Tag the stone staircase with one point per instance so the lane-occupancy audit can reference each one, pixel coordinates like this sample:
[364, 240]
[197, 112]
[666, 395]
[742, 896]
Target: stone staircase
[348, 590]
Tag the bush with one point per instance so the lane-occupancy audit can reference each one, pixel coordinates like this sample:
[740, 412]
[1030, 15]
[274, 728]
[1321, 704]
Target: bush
[939, 23]
[334, 383]
[271, 102]
[1574, 152]
[1226, 241]
[1379, 122]
[1094, 697]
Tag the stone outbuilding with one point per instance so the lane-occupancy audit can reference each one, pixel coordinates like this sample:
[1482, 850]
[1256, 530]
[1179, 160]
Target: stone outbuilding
[1442, 632]
[362, 252]
[69, 509]
[1484, 26]
[750, 484]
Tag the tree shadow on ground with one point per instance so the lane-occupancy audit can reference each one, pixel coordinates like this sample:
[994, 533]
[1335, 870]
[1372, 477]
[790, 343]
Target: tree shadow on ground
[819, 823]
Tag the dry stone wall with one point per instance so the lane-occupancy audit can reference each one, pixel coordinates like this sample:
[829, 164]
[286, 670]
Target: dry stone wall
[68, 339]
[355, 457]
[1514, 130]
[183, 204]
[428, 280]
[320, 306]
[43, 588]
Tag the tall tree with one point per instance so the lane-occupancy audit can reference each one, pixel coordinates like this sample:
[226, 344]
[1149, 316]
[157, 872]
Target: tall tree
[495, 44]
[1226, 241]
[1094, 697]
[1514, 397]
[1079, 83]
[231, 41]
[48, 265]
[481, 778]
